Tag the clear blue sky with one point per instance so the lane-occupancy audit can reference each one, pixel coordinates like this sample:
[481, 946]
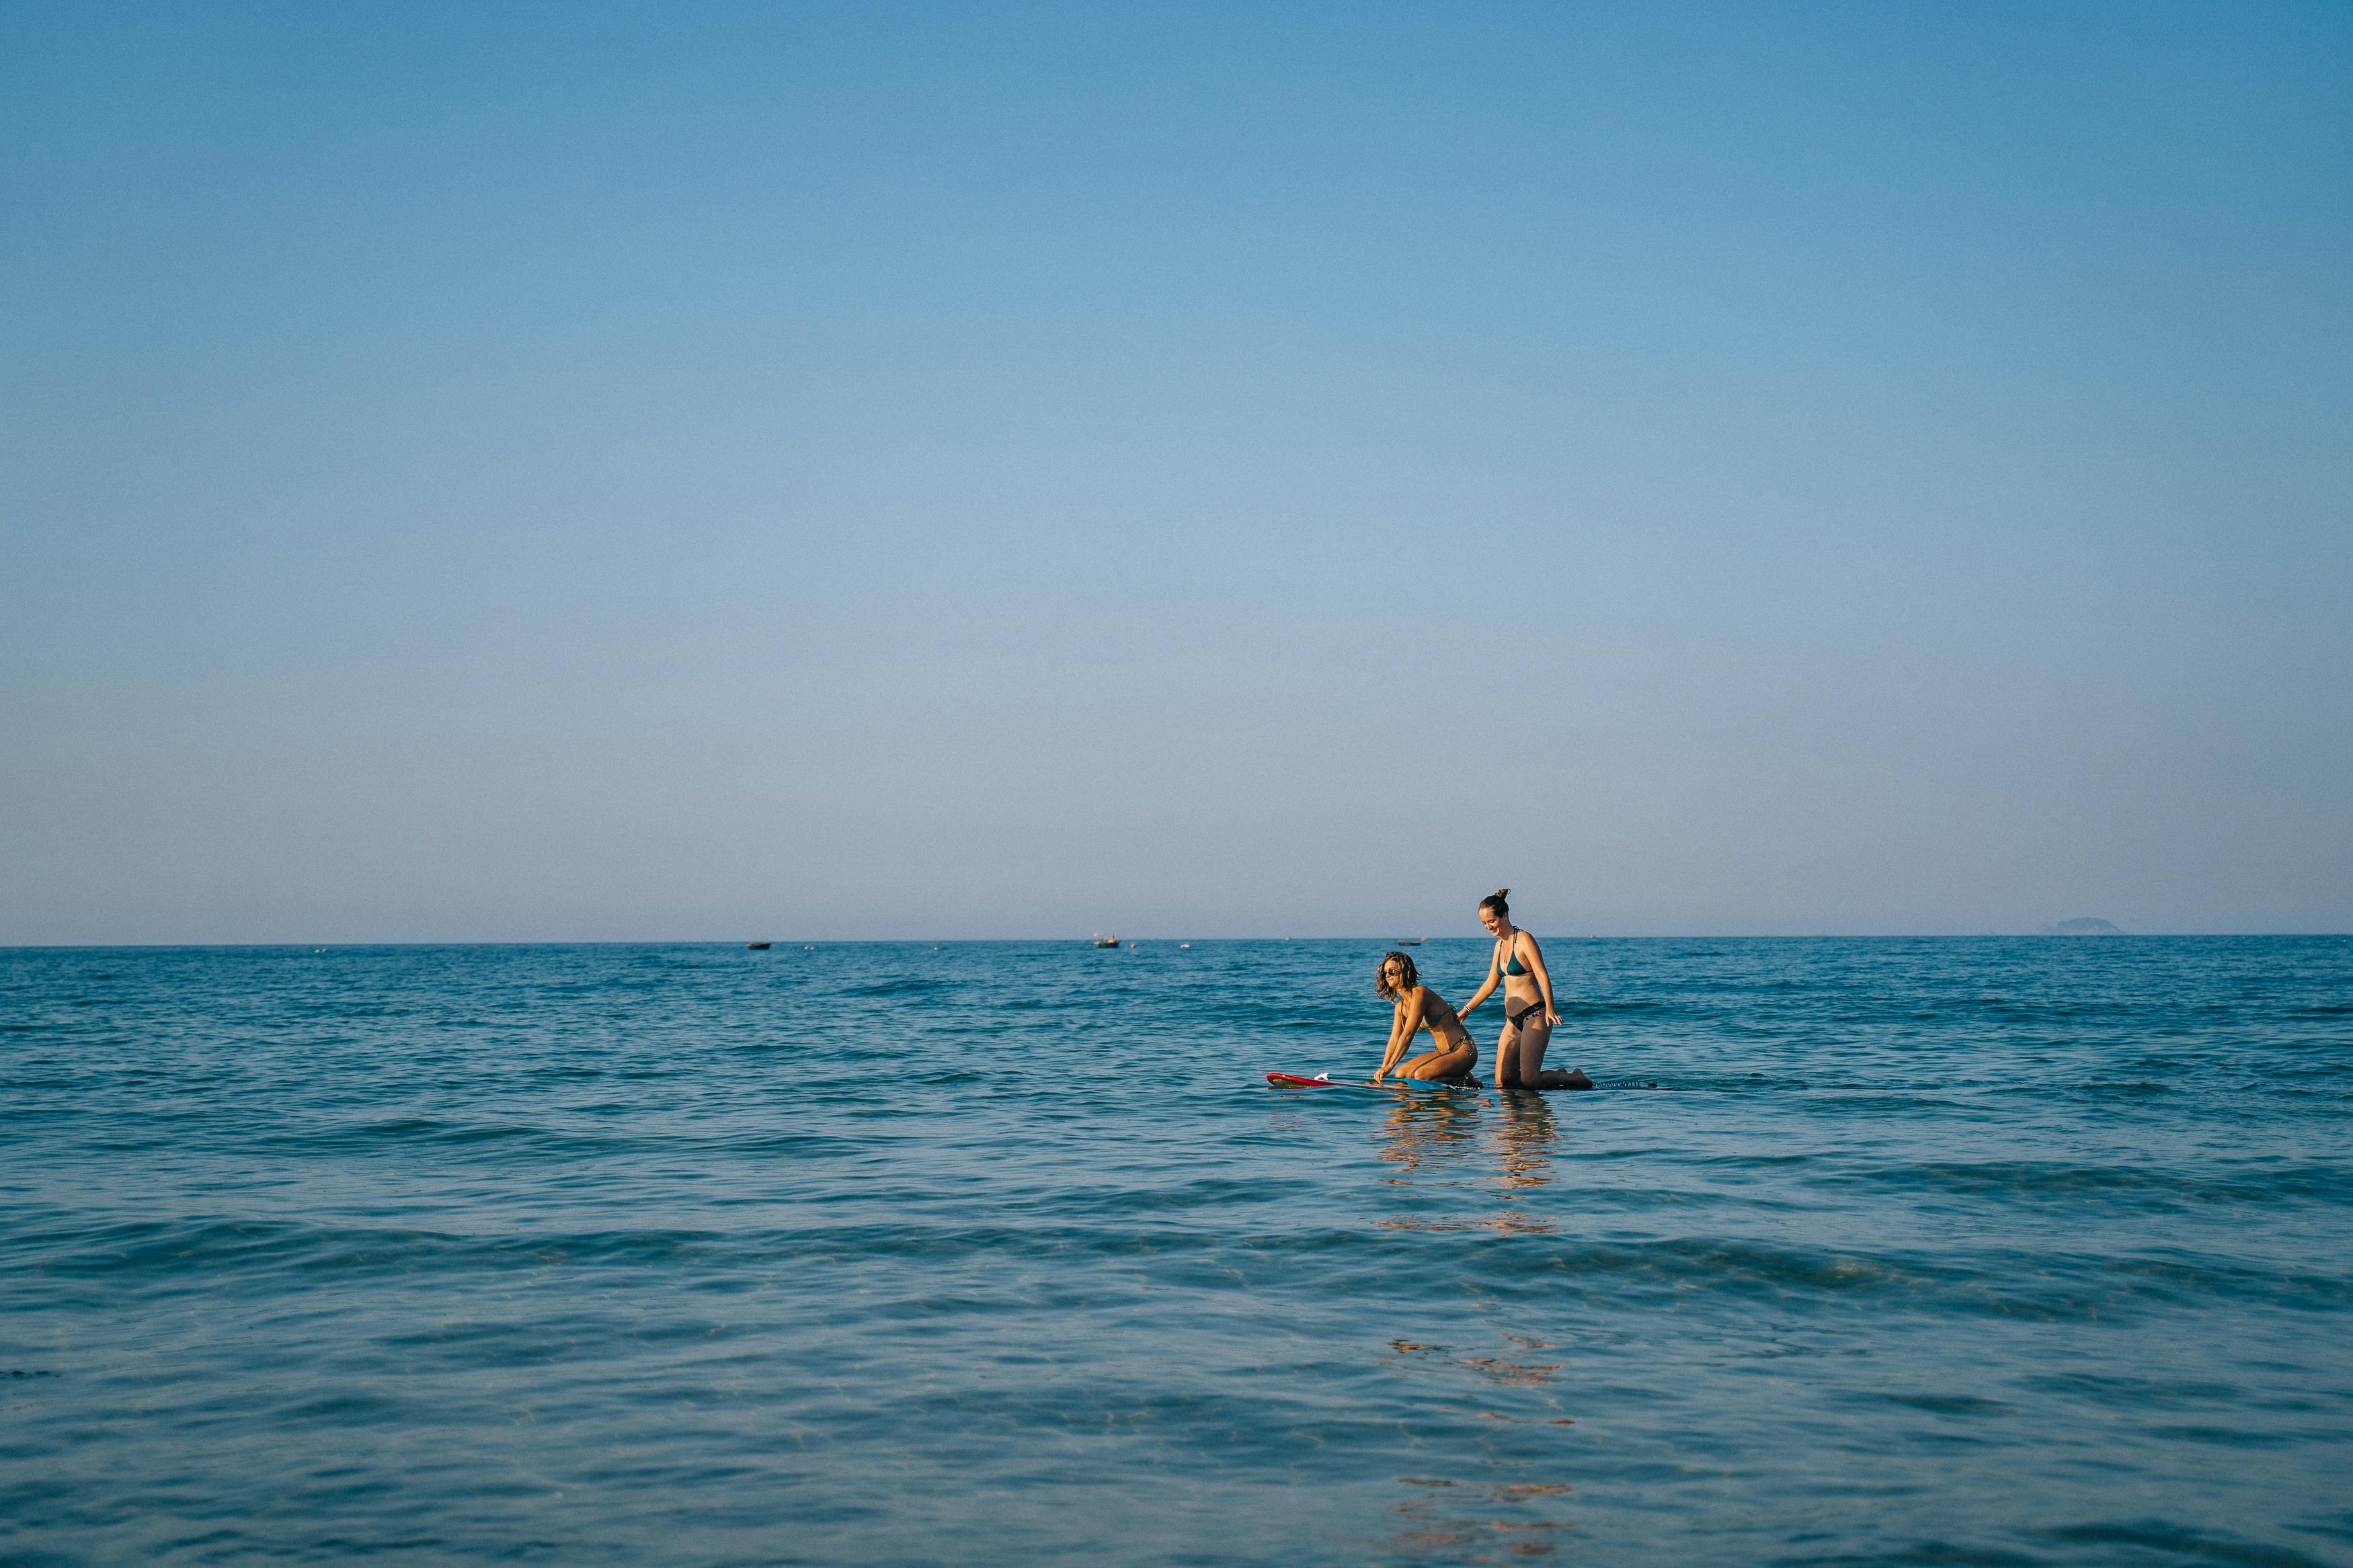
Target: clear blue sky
[599, 471]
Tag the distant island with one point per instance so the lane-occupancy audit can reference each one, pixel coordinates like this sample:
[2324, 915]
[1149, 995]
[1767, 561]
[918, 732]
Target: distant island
[2086, 925]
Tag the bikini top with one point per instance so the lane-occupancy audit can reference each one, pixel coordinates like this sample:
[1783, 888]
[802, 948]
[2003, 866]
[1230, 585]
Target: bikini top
[1516, 966]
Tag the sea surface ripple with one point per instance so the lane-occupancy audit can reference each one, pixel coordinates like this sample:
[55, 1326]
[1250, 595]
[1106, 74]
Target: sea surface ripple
[1995, 1251]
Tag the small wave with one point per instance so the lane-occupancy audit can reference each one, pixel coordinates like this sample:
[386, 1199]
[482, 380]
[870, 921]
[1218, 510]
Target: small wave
[1951, 1404]
[2152, 1186]
[909, 986]
[2181, 1542]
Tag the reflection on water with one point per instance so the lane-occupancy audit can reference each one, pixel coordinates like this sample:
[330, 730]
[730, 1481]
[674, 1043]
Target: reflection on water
[1448, 1519]
[1468, 1153]
[1524, 1139]
[1524, 1135]
[1499, 1369]
[1465, 1521]
[1424, 1132]
[1423, 1135]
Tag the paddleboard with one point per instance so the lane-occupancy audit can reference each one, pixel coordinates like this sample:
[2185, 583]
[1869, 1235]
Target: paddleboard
[1326, 1080]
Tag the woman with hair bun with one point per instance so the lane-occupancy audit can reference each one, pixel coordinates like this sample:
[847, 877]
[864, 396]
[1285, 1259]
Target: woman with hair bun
[1529, 1015]
[1418, 1008]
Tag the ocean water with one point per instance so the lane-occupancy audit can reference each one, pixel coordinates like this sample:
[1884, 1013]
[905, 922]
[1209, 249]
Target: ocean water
[1988, 1251]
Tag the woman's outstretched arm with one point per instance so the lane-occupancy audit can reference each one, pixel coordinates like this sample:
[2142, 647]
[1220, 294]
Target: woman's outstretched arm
[1544, 981]
[1495, 976]
[1407, 1019]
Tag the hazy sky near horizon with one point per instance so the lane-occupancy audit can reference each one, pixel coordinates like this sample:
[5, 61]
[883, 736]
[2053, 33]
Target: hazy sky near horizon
[630, 471]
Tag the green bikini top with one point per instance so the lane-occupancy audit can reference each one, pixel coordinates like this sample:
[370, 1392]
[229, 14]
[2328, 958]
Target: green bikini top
[1516, 966]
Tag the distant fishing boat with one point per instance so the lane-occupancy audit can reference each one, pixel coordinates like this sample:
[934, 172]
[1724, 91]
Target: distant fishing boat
[757, 946]
[1412, 940]
[1103, 940]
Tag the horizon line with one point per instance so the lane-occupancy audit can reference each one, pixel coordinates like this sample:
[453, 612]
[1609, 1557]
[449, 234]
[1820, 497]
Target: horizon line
[808, 942]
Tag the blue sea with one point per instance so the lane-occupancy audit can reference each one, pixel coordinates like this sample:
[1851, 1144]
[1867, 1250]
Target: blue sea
[1930, 1252]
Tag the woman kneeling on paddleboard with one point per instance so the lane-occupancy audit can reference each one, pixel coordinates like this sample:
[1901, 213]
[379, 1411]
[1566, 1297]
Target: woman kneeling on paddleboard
[1417, 1009]
[1528, 1011]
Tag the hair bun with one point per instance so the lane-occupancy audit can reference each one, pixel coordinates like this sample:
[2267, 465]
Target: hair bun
[1503, 892]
